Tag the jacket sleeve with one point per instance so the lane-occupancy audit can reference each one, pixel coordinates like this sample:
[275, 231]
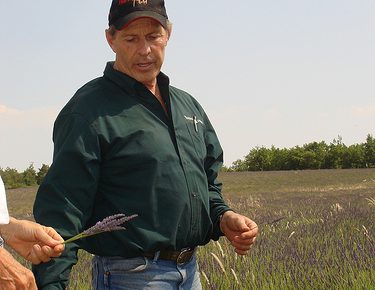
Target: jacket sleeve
[213, 164]
[65, 198]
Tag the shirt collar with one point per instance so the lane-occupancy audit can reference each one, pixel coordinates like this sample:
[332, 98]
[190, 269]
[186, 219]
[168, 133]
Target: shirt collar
[128, 83]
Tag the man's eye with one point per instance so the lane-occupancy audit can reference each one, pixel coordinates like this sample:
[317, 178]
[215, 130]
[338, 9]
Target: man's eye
[153, 37]
[129, 39]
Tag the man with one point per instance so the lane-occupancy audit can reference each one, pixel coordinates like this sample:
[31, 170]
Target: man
[32, 241]
[128, 142]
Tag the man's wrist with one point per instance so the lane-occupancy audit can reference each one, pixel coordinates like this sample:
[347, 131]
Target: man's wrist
[5, 230]
[220, 219]
[2, 242]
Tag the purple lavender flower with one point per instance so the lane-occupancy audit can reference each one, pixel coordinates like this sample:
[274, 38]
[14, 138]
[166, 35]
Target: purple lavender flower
[109, 224]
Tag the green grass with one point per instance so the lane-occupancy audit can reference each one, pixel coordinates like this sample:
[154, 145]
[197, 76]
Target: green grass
[326, 239]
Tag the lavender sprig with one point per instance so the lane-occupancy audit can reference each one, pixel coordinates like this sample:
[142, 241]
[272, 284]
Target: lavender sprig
[109, 224]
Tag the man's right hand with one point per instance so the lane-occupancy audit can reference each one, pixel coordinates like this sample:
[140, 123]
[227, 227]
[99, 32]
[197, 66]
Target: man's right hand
[32, 241]
[13, 276]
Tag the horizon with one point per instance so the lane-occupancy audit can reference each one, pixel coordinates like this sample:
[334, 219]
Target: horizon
[224, 165]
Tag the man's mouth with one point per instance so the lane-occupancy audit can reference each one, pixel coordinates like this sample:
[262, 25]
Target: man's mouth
[144, 65]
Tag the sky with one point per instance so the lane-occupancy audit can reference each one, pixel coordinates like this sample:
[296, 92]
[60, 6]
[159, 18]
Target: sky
[282, 73]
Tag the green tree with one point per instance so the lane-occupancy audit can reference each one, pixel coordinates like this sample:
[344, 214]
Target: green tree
[238, 165]
[335, 154]
[42, 173]
[258, 159]
[280, 158]
[315, 155]
[29, 176]
[370, 151]
[354, 157]
[296, 156]
[12, 178]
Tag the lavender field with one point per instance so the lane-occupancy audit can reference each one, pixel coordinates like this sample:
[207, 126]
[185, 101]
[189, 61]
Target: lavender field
[316, 232]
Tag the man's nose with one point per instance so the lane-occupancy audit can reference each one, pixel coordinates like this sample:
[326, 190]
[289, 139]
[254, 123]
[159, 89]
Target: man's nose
[144, 47]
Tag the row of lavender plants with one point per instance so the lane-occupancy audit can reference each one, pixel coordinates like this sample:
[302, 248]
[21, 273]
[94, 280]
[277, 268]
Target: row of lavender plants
[319, 237]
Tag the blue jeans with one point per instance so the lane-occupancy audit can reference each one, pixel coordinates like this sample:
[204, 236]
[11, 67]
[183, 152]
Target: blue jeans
[117, 273]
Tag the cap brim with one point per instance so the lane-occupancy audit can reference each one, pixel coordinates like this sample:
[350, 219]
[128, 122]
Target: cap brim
[124, 21]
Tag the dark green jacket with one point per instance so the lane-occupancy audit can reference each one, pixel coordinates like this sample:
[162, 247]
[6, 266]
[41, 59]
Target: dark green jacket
[116, 151]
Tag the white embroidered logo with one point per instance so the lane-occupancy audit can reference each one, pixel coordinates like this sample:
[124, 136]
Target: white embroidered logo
[140, 2]
[195, 121]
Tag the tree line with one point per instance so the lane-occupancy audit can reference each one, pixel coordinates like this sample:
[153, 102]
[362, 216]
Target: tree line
[29, 177]
[314, 155]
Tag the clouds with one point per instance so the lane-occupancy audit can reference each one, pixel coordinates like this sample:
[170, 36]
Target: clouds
[367, 111]
[12, 118]
[4, 110]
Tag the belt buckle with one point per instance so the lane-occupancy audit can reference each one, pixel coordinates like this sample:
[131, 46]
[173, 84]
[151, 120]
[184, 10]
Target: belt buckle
[184, 256]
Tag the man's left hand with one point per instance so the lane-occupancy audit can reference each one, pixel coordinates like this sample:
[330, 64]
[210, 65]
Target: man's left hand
[239, 230]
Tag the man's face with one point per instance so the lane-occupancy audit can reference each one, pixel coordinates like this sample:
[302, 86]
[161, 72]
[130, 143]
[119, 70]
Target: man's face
[140, 49]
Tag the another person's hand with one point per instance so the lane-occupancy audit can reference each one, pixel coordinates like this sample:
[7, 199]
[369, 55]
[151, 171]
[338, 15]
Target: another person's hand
[13, 276]
[32, 241]
[239, 230]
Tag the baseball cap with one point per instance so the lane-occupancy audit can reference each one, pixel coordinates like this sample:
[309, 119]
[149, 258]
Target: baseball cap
[122, 12]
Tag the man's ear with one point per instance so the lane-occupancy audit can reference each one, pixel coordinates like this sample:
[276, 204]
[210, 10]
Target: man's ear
[169, 32]
[110, 38]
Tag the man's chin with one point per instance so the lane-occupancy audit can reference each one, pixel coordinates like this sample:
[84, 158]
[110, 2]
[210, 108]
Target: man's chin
[146, 79]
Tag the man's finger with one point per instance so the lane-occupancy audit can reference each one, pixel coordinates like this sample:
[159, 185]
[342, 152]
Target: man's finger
[51, 252]
[41, 253]
[33, 257]
[241, 240]
[55, 235]
[48, 236]
[243, 224]
[59, 248]
[251, 224]
[37, 255]
[247, 235]
[242, 247]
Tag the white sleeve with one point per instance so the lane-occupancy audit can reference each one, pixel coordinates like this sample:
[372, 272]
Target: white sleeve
[4, 215]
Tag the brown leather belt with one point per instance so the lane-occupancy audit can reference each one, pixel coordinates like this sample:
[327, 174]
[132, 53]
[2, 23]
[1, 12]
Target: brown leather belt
[180, 257]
